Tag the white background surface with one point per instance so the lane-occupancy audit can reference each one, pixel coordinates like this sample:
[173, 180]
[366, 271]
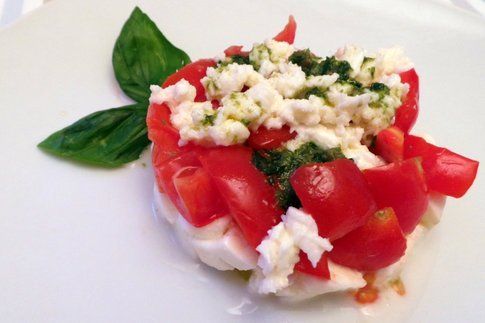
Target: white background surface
[11, 10]
[79, 244]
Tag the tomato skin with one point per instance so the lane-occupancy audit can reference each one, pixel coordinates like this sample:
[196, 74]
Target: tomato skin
[198, 196]
[288, 33]
[192, 73]
[377, 244]
[244, 189]
[335, 194]
[446, 172]
[264, 138]
[165, 146]
[158, 120]
[235, 50]
[407, 113]
[320, 271]
[402, 186]
[389, 144]
[166, 172]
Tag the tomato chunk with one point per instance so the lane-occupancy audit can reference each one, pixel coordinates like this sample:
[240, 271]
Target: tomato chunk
[235, 50]
[288, 33]
[264, 138]
[320, 271]
[244, 189]
[201, 201]
[377, 244]
[192, 73]
[165, 146]
[335, 194]
[389, 144]
[166, 172]
[407, 113]
[446, 172]
[402, 186]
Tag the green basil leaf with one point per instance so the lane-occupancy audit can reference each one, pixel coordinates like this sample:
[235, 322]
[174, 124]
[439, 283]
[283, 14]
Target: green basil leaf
[143, 56]
[107, 138]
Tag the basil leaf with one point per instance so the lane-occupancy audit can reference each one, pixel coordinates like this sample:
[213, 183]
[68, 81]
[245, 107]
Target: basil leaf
[143, 56]
[107, 138]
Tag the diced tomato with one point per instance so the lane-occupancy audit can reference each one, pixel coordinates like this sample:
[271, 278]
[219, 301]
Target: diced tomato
[264, 138]
[166, 172]
[407, 113]
[192, 73]
[158, 117]
[201, 201]
[445, 171]
[335, 194]
[320, 271]
[377, 244]
[244, 189]
[389, 144]
[165, 145]
[288, 33]
[235, 50]
[402, 186]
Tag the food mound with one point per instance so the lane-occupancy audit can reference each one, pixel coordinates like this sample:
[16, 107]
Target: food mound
[300, 168]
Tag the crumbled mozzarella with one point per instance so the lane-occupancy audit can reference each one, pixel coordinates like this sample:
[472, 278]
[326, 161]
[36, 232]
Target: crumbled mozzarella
[278, 256]
[267, 56]
[352, 54]
[289, 80]
[321, 81]
[391, 60]
[279, 250]
[225, 80]
[228, 132]
[362, 157]
[175, 94]
[304, 231]
[277, 94]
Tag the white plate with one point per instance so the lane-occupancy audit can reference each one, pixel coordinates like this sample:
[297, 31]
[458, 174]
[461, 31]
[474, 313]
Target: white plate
[79, 244]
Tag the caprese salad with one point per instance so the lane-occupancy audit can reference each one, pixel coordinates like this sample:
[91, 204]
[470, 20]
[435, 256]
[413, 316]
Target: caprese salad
[300, 168]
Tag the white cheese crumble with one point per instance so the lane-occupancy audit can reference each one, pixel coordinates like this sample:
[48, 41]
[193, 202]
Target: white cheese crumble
[279, 250]
[274, 96]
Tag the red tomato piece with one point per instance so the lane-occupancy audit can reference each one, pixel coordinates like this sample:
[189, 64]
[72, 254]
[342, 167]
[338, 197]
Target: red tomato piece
[165, 145]
[320, 271]
[288, 33]
[192, 73]
[402, 186]
[446, 172]
[407, 113]
[335, 194]
[158, 117]
[201, 201]
[165, 175]
[389, 144]
[244, 189]
[377, 244]
[235, 50]
[264, 138]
